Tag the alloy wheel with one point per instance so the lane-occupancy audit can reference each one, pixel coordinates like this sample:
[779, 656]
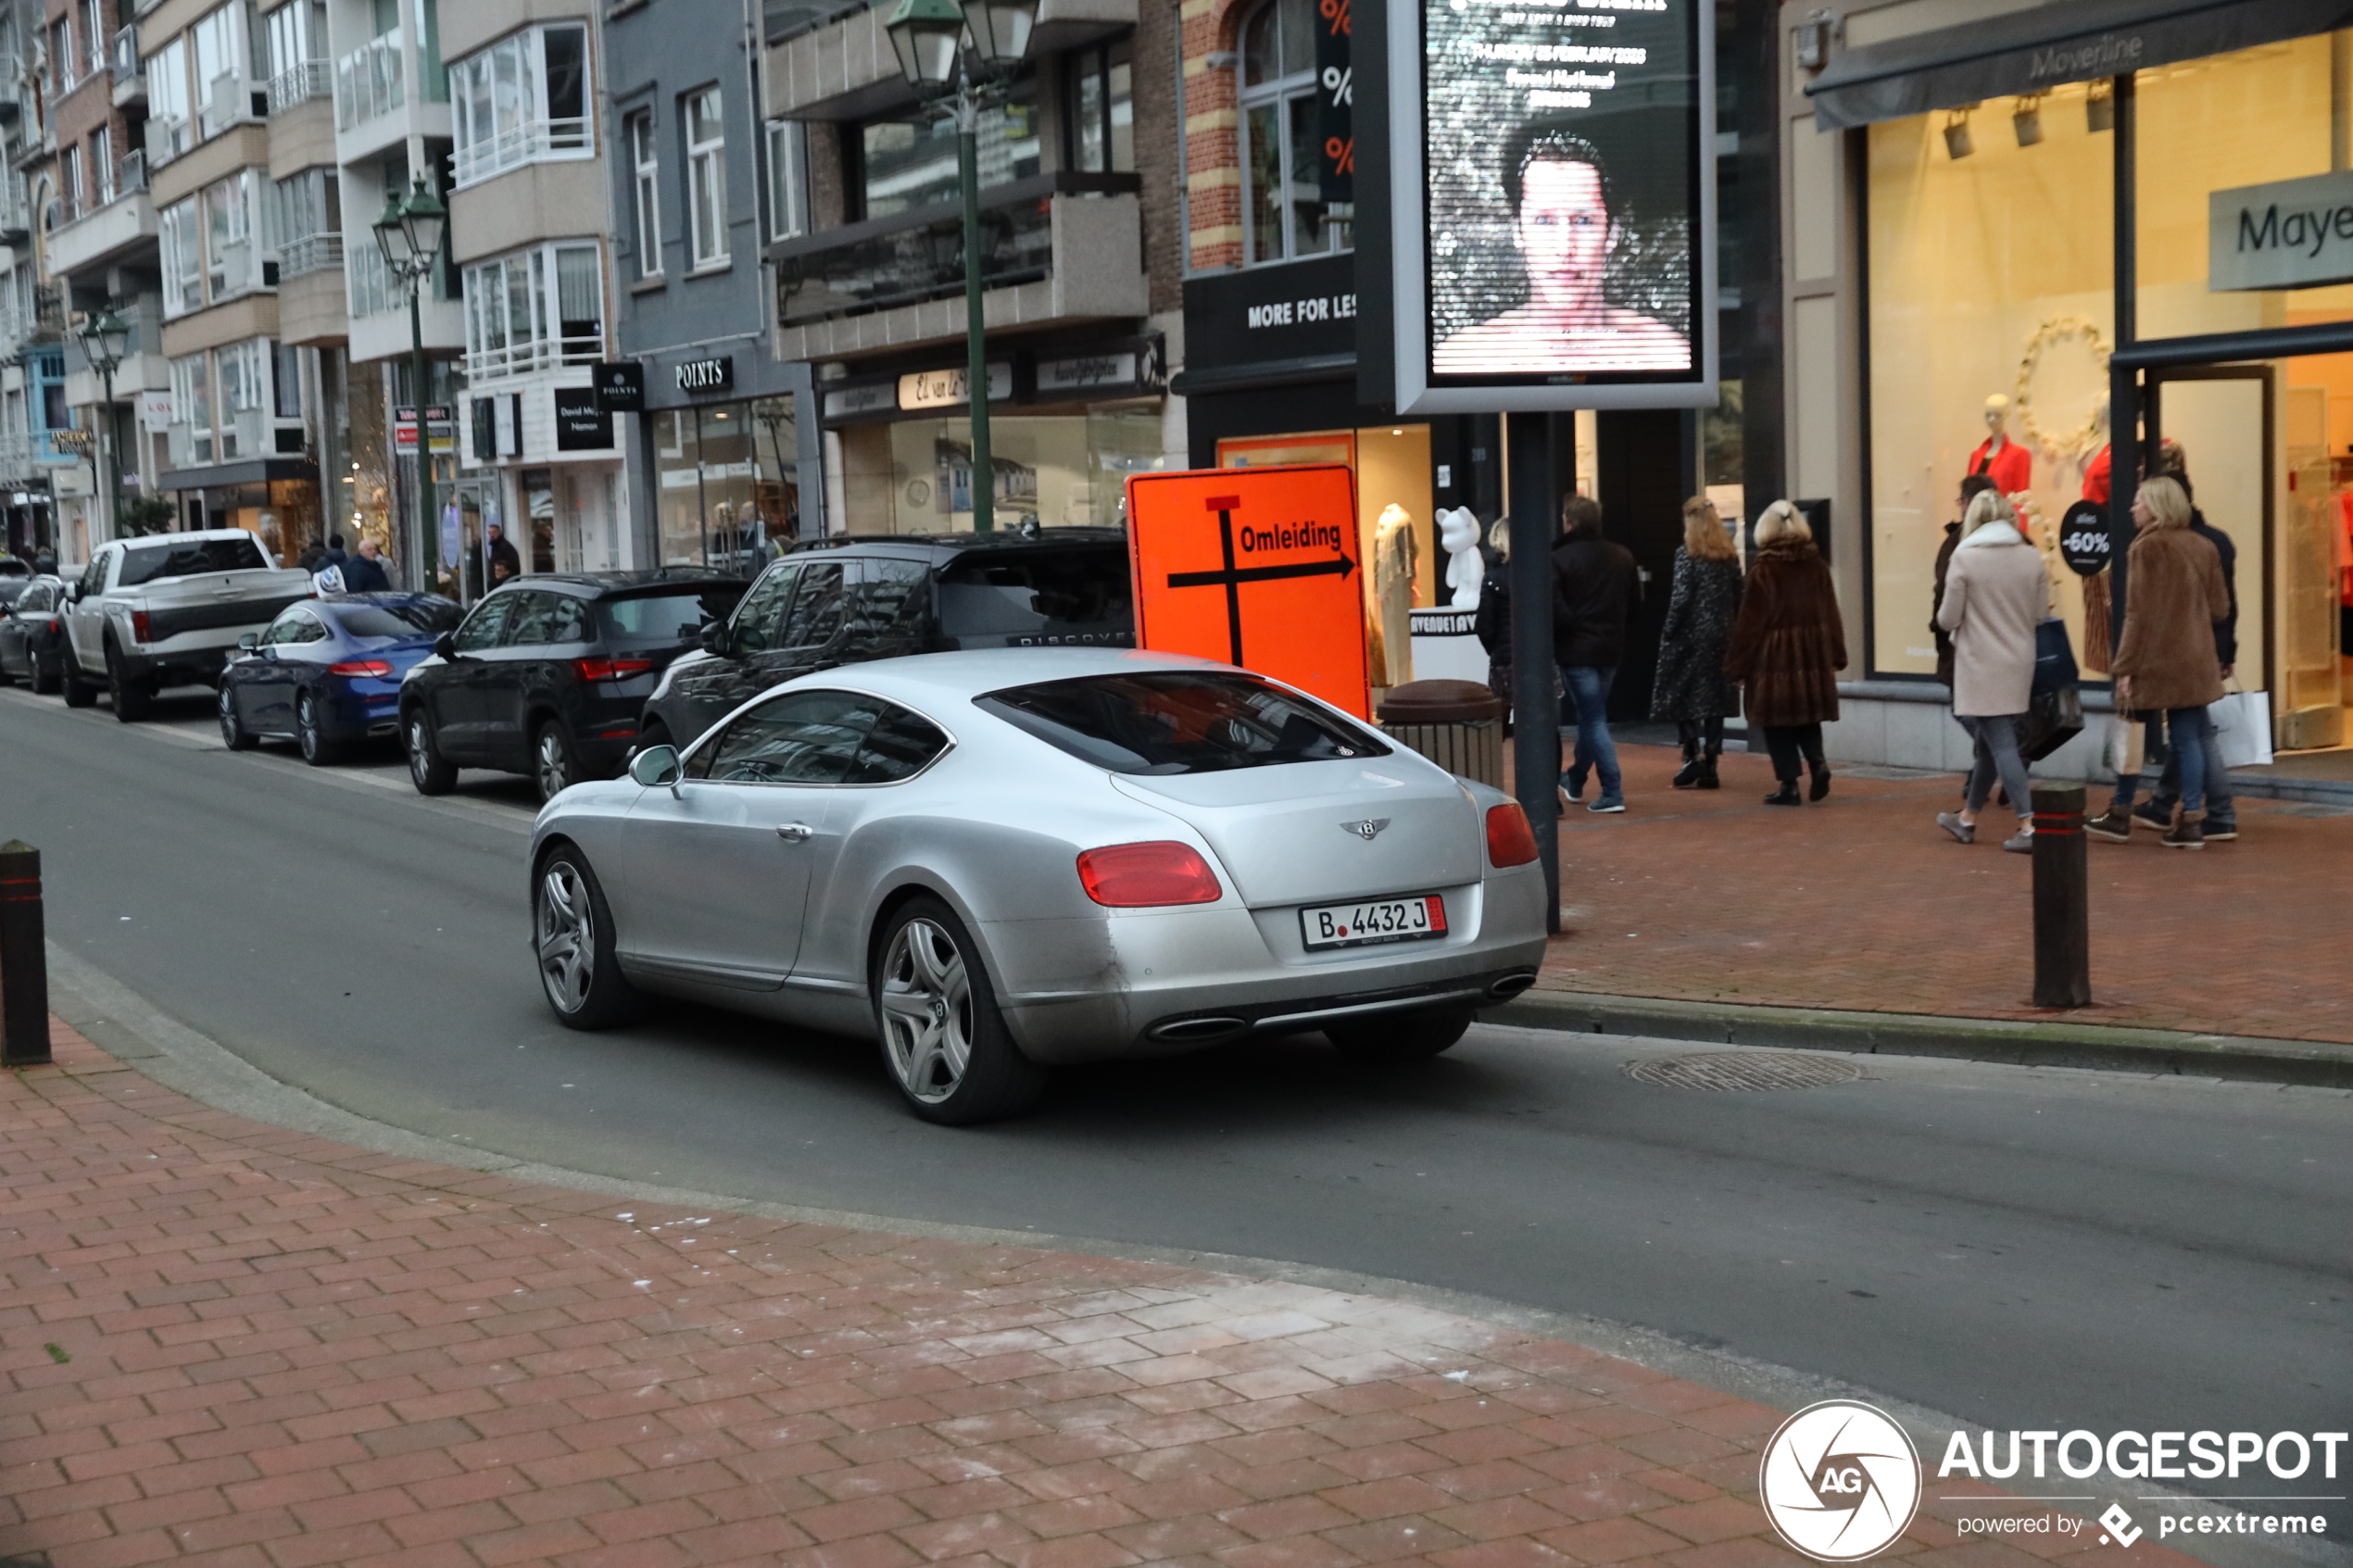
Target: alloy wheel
[926, 1010]
[307, 728]
[553, 764]
[567, 937]
[231, 734]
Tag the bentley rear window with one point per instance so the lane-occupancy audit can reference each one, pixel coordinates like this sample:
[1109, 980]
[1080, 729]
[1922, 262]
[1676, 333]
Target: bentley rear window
[1164, 721]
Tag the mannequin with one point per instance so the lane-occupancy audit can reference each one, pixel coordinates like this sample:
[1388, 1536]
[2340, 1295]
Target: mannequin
[2095, 471]
[1395, 558]
[2011, 466]
[1458, 535]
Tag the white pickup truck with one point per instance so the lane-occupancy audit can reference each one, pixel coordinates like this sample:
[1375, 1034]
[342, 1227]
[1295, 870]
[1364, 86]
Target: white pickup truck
[168, 611]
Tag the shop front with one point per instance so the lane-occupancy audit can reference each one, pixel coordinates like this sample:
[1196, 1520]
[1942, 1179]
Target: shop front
[1068, 421]
[2001, 262]
[733, 477]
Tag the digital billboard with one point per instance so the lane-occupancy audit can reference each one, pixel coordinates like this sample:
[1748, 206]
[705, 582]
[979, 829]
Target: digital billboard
[1554, 205]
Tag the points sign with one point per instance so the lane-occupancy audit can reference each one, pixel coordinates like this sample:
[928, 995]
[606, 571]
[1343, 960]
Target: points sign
[1255, 566]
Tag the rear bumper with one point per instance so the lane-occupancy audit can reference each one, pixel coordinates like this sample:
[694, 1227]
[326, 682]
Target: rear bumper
[175, 667]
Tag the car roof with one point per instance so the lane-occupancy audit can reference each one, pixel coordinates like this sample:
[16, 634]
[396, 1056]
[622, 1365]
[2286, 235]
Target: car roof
[152, 539]
[615, 584]
[942, 546]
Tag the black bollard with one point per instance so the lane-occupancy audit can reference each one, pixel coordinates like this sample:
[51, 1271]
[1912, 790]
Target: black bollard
[2062, 899]
[24, 967]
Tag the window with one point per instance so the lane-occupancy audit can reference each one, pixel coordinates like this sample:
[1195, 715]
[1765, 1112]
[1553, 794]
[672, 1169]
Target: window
[297, 42]
[665, 619]
[244, 370]
[885, 618]
[647, 164]
[400, 619]
[1284, 213]
[231, 266]
[903, 166]
[1178, 722]
[69, 193]
[183, 259]
[803, 737]
[1101, 112]
[542, 619]
[758, 617]
[819, 609]
[63, 71]
[524, 99]
[486, 624]
[219, 43]
[285, 381]
[94, 39]
[309, 223]
[536, 310]
[1069, 591]
[190, 557]
[900, 745]
[167, 100]
[292, 626]
[102, 164]
[787, 179]
[706, 178]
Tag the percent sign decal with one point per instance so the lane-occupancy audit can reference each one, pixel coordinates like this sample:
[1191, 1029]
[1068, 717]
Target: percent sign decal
[1335, 13]
[1342, 154]
[1340, 82]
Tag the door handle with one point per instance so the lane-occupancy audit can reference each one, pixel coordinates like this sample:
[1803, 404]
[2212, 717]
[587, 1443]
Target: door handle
[796, 832]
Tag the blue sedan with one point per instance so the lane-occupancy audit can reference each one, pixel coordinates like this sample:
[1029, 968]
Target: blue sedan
[326, 673]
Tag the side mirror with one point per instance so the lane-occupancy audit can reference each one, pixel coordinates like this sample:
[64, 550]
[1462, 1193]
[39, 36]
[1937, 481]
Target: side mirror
[444, 646]
[715, 638]
[655, 767]
[73, 593]
[250, 642]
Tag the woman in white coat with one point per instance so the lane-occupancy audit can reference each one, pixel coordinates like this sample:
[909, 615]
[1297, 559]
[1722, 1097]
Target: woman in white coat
[1995, 593]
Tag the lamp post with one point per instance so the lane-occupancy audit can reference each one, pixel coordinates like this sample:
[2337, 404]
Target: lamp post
[410, 236]
[957, 55]
[106, 338]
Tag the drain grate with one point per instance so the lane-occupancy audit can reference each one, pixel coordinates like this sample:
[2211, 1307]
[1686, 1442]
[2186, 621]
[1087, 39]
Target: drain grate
[1750, 1070]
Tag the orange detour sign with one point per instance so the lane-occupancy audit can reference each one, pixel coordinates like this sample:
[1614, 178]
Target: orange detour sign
[1251, 566]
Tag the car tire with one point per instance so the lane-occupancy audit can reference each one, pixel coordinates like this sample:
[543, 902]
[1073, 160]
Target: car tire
[131, 696]
[571, 942]
[319, 748]
[431, 771]
[232, 729]
[47, 676]
[944, 1040]
[1410, 1036]
[554, 768]
[79, 691]
[5, 678]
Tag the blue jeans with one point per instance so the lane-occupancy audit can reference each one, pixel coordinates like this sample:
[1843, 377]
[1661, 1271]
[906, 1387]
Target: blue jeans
[1585, 701]
[1997, 756]
[2218, 778]
[2193, 761]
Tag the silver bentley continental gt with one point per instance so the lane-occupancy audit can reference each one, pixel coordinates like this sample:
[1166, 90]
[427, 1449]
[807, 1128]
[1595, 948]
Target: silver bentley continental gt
[999, 862]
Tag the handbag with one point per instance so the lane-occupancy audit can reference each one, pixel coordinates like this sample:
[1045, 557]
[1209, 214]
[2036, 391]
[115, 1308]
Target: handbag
[2053, 717]
[2054, 658]
[2242, 724]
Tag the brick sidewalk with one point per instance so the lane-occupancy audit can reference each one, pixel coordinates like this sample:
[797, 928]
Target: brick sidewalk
[1864, 903]
[229, 1344]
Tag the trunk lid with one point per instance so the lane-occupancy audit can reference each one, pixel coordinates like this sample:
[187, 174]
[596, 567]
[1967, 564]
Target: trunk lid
[1283, 834]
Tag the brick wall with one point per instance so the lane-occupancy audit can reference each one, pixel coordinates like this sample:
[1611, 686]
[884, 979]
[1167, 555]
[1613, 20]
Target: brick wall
[1212, 156]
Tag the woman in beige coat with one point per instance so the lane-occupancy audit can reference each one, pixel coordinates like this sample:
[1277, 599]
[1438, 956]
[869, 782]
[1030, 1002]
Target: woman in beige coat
[1995, 593]
[2166, 661]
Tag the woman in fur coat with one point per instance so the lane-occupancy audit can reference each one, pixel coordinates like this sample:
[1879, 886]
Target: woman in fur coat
[1788, 645]
[2166, 661]
[1691, 687]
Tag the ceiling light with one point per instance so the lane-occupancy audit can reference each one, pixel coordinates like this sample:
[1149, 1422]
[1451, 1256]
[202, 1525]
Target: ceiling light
[1957, 145]
[2026, 119]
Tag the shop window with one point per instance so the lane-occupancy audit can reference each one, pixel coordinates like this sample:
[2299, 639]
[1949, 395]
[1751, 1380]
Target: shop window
[1284, 213]
[787, 179]
[534, 310]
[647, 163]
[903, 166]
[523, 100]
[1101, 112]
[706, 178]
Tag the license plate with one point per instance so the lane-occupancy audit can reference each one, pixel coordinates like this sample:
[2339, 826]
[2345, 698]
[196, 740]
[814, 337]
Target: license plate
[1377, 919]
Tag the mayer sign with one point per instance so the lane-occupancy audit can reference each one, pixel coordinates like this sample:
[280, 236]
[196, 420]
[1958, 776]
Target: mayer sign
[1554, 205]
[2289, 235]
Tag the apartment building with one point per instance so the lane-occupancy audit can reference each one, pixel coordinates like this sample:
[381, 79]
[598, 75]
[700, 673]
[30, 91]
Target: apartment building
[34, 448]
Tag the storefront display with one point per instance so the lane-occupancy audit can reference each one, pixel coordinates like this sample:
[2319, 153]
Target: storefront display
[726, 479]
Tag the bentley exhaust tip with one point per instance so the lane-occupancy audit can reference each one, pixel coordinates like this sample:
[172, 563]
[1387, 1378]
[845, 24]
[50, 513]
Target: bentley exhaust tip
[1196, 1031]
[1510, 986]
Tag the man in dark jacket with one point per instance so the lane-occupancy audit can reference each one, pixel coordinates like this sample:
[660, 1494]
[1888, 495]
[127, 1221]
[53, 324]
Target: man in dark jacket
[364, 574]
[2222, 813]
[1595, 585]
[505, 562]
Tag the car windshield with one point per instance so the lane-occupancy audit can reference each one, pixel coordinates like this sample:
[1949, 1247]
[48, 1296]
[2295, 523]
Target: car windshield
[1179, 722]
[12, 589]
[990, 594]
[645, 620]
[413, 617]
[190, 557]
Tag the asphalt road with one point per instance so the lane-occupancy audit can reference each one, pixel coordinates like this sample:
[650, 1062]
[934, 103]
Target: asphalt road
[2021, 1248]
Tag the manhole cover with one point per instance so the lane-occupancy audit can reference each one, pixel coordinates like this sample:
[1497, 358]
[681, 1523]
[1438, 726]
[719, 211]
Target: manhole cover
[1745, 1070]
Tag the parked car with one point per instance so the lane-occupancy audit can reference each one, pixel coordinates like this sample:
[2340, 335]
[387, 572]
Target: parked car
[14, 565]
[998, 862]
[547, 674]
[167, 610]
[31, 635]
[848, 600]
[326, 674]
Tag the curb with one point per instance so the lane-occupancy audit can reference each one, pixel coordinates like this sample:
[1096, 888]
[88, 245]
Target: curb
[2314, 1063]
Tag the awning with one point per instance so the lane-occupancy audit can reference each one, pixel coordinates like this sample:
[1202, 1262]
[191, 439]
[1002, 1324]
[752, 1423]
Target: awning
[2042, 46]
[252, 470]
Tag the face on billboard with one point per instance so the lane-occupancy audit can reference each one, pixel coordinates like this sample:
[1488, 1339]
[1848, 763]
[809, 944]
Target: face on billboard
[1561, 200]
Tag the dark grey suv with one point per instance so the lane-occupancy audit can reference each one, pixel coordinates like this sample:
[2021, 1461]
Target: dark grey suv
[848, 600]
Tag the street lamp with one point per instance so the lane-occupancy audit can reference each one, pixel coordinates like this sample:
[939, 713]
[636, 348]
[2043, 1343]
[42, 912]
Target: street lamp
[106, 338]
[410, 236]
[942, 47]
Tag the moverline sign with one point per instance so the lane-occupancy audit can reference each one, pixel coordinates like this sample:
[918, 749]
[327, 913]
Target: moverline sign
[2288, 234]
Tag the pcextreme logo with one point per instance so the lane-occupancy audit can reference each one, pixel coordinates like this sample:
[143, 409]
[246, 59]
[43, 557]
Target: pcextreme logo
[1839, 1481]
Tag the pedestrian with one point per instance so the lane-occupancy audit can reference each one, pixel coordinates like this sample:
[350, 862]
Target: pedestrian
[2166, 659]
[335, 556]
[1973, 486]
[1996, 593]
[1691, 688]
[504, 563]
[1493, 619]
[45, 561]
[364, 574]
[2221, 812]
[1595, 587]
[312, 555]
[1788, 645]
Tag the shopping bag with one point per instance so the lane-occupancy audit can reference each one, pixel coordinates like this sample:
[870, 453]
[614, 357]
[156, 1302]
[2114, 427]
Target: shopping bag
[2054, 658]
[2053, 719]
[2243, 729]
[2121, 752]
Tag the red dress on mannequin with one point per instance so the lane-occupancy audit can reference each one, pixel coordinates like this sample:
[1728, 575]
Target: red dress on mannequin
[2095, 478]
[2012, 468]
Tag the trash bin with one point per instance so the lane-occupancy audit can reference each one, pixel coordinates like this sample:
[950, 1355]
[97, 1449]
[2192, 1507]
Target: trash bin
[1457, 724]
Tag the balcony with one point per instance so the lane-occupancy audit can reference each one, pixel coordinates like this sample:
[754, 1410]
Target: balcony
[103, 234]
[845, 68]
[299, 83]
[312, 253]
[534, 141]
[1055, 247]
[130, 73]
[167, 139]
[229, 102]
[541, 354]
[369, 82]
